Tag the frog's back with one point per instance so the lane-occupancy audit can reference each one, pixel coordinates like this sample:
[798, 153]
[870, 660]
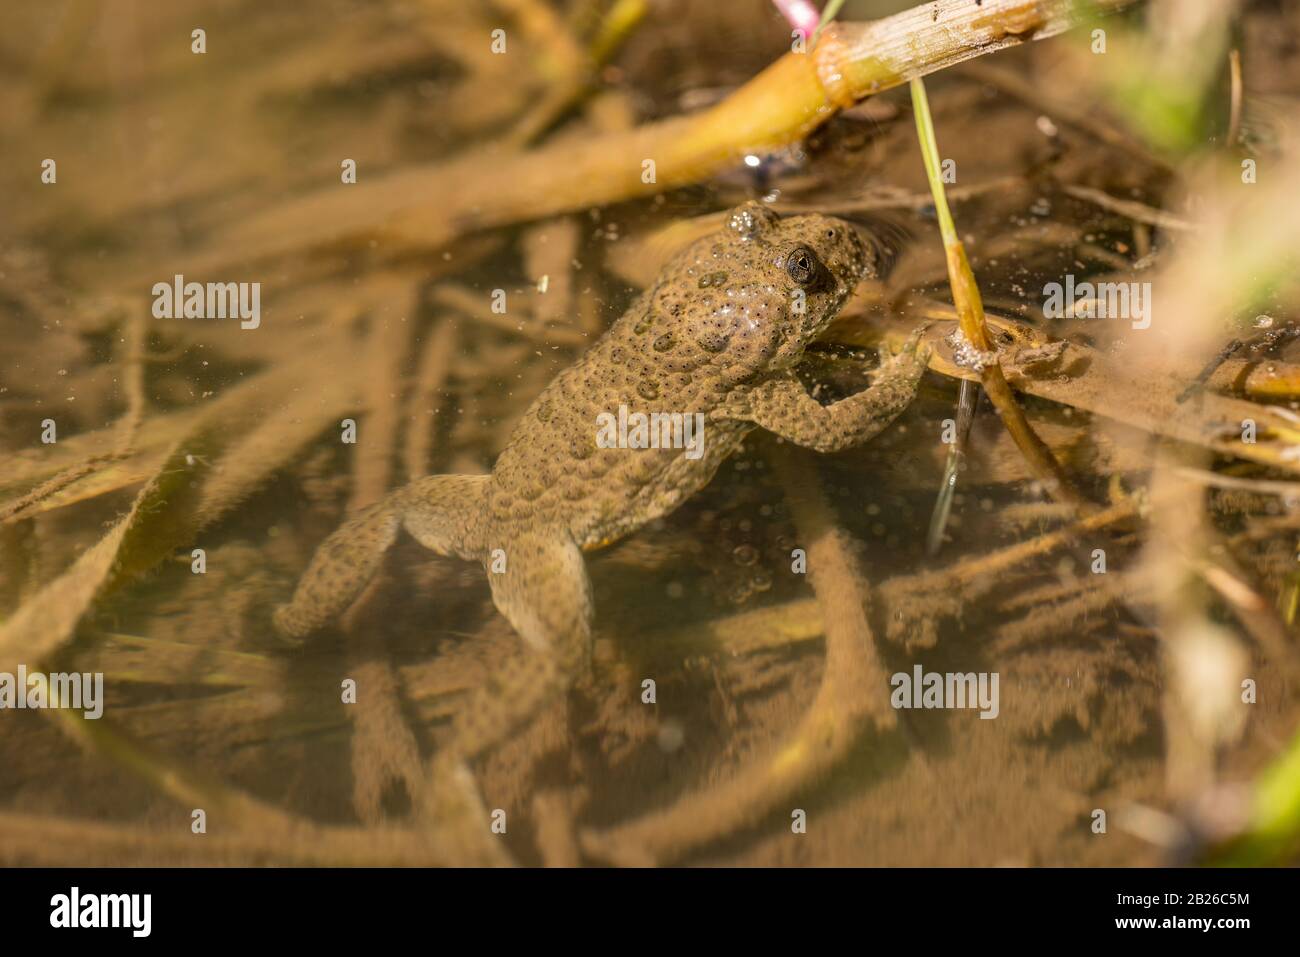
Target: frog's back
[718, 319]
[554, 470]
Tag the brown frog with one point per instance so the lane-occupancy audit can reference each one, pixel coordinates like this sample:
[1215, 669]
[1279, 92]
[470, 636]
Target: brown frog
[714, 340]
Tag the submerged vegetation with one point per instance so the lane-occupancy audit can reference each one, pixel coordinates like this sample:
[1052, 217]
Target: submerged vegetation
[1089, 208]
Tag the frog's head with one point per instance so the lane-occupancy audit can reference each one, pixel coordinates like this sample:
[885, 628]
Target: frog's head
[814, 262]
[764, 287]
[817, 258]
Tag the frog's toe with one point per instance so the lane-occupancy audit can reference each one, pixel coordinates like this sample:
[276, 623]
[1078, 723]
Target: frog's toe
[911, 360]
[914, 344]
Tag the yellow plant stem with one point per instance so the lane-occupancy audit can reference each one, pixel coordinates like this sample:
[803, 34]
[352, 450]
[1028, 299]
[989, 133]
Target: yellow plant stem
[432, 204]
[970, 316]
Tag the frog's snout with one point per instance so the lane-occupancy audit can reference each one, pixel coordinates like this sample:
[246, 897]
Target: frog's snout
[859, 259]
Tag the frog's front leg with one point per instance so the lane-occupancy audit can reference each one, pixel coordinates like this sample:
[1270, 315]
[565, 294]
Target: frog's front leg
[784, 407]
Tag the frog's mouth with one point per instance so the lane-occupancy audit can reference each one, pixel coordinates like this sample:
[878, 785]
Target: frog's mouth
[841, 280]
[859, 264]
[848, 272]
[845, 270]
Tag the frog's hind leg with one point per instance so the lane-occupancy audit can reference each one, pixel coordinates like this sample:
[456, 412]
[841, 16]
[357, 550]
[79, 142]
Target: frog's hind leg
[442, 512]
[543, 590]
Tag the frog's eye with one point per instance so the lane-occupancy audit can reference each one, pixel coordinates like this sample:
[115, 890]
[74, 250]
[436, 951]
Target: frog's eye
[801, 265]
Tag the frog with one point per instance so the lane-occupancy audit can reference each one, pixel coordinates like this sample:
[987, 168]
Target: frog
[717, 337]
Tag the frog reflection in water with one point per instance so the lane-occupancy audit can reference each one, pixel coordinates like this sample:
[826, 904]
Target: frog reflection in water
[718, 333]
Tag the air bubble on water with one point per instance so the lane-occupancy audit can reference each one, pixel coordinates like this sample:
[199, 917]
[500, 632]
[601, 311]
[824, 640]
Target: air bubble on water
[670, 736]
[965, 355]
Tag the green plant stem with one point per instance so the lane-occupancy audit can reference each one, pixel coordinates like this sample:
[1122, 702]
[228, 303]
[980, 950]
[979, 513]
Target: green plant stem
[970, 316]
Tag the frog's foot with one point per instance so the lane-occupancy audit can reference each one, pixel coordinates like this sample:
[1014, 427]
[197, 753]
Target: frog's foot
[784, 407]
[440, 511]
[540, 584]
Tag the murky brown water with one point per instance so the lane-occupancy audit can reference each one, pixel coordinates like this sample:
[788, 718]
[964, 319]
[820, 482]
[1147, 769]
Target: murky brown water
[174, 434]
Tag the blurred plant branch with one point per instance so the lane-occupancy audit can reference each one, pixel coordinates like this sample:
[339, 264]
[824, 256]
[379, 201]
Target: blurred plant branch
[432, 204]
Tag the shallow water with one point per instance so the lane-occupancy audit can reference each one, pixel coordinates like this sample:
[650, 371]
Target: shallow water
[197, 434]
